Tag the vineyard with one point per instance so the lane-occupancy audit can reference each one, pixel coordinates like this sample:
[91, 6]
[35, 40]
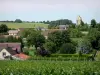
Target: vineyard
[49, 68]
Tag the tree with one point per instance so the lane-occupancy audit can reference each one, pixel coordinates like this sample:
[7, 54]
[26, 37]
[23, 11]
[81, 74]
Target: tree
[18, 21]
[35, 38]
[3, 28]
[50, 46]
[59, 38]
[98, 26]
[84, 46]
[42, 51]
[68, 48]
[94, 37]
[75, 33]
[26, 32]
[93, 23]
[82, 23]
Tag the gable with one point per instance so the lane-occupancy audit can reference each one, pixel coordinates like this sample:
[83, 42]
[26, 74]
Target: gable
[4, 50]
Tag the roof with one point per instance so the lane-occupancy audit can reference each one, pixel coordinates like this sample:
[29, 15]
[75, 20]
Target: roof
[12, 45]
[22, 56]
[13, 31]
[10, 50]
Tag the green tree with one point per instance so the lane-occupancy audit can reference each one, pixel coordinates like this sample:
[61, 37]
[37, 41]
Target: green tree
[75, 33]
[3, 28]
[94, 37]
[50, 46]
[26, 32]
[98, 26]
[93, 23]
[18, 21]
[84, 46]
[67, 48]
[59, 38]
[82, 23]
[35, 38]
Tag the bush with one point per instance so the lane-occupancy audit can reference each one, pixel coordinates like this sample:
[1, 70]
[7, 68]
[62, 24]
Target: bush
[50, 46]
[68, 48]
[70, 55]
[75, 33]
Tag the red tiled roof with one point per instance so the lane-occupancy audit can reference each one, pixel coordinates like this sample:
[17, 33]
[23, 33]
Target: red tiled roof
[22, 56]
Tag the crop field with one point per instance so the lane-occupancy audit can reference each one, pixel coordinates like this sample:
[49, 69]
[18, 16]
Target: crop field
[25, 25]
[49, 68]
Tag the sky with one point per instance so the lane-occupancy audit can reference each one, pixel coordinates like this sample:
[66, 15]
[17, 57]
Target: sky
[39, 10]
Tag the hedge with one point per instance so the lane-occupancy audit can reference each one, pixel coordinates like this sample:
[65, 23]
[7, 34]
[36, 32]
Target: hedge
[70, 55]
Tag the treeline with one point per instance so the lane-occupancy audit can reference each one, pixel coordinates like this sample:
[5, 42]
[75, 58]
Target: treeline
[54, 22]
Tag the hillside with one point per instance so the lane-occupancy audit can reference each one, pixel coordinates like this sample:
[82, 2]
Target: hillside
[24, 25]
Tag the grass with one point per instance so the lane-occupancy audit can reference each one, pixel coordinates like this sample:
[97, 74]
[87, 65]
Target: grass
[49, 68]
[24, 25]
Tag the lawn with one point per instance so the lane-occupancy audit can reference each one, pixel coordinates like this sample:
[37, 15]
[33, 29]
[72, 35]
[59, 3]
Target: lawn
[24, 25]
[49, 68]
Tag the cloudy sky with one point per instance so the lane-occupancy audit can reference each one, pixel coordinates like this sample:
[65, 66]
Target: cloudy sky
[37, 10]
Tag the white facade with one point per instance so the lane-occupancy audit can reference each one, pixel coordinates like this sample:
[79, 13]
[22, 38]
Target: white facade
[4, 51]
[13, 32]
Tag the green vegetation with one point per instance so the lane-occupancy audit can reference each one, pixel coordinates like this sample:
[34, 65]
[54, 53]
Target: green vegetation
[49, 68]
[24, 25]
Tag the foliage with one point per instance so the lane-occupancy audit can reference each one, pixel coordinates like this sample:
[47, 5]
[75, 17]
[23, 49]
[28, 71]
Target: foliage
[85, 27]
[35, 38]
[75, 33]
[3, 28]
[94, 37]
[84, 47]
[70, 55]
[50, 46]
[98, 26]
[29, 52]
[82, 23]
[67, 48]
[49, 68]
[59, 38]
[18, 21]
[93, 23]
[42, 51]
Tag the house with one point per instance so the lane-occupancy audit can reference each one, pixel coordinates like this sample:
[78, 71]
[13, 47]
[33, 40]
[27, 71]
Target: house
[12, 50]
[6, 53]
[13, 32]
[63, 27]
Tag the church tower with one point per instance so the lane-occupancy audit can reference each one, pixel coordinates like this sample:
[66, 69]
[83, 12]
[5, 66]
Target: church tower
[79, 20]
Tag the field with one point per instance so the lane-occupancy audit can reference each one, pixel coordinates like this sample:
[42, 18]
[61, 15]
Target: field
[49, 68]
[25, 25]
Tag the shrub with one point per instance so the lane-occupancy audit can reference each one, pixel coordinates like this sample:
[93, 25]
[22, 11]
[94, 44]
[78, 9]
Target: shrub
[68, 48]
[50, 46]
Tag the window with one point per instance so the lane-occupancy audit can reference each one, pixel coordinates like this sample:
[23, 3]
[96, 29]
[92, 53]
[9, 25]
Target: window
[4, 54]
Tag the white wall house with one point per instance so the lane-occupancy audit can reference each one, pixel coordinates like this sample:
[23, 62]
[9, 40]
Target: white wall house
[4, 53]
[13, 32]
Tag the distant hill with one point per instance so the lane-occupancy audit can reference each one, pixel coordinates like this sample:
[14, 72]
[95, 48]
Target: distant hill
[24, 25]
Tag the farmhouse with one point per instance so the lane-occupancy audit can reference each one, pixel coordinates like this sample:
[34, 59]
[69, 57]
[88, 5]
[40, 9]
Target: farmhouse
[13, 32]
[11, 50]
[6, 53]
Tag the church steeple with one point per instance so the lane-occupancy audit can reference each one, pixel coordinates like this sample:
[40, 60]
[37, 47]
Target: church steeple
[79, 20]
